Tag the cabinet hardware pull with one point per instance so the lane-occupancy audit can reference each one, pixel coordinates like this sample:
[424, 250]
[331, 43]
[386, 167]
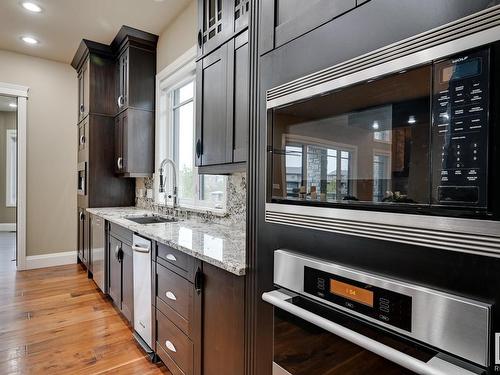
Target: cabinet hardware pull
[117, 251]
[200, 40]
[140, 249]
[119, 163]
[198, 148]
[82, 108]
[121, 101]
[198, 281]
[82, 139]
[171, 296]
[171, 257]
[170, 346]
[82, 216]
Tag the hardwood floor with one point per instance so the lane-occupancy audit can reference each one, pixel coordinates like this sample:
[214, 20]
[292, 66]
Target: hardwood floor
[55, 321]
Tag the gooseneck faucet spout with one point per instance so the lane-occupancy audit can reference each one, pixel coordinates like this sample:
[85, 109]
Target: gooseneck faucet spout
[174, 179]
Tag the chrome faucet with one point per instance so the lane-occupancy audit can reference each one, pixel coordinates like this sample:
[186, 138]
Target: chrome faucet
[174, 178]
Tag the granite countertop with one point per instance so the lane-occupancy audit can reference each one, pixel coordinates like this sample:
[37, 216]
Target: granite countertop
[220, 245]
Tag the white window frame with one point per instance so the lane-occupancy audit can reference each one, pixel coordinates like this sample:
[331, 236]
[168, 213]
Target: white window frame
[11, 168]
[174, 76]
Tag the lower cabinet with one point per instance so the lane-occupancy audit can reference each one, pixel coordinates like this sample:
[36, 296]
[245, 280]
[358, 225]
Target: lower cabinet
[199, 316]
[83, 238]
[120, 273]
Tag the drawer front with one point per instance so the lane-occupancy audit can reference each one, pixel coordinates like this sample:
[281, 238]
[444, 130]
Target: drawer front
[173, 256]
[181, 322]
[121, 233]
[175, 291]
[175, 343]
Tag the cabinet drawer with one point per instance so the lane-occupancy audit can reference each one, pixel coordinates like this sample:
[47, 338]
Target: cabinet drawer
[173, 256]
[175, 291]
[175, 344]
[121, 233]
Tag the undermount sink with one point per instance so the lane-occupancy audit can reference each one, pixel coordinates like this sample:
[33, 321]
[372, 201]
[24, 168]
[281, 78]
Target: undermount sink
[151, 219]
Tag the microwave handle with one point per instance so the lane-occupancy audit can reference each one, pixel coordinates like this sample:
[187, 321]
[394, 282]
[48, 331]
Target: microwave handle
[435, 366]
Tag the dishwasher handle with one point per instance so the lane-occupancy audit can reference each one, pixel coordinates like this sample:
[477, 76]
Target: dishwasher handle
[140, 249]
[435, 366]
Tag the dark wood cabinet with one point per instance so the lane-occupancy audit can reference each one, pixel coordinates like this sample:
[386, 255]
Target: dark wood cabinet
[134, 143]
[215, 22]
[115, 271]
[223, 322]
[285, 20]
[83, 90]
[134, 102]
[223, 107]
[83, 237]
[120, 270]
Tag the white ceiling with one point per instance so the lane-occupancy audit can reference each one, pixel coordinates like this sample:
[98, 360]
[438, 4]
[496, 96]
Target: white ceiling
[4, 104]
[64, 23]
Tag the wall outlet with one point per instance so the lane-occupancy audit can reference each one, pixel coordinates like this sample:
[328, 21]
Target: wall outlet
[149, 193]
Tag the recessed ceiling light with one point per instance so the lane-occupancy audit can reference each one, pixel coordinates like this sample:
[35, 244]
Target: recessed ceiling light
[12, 105]
[29, 40]
[32, 7]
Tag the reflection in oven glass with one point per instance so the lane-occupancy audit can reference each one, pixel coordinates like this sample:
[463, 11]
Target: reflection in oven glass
[366, 143]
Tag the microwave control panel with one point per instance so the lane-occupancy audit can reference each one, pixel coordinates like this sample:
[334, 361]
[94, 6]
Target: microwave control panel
[377, 303]
[460, 108]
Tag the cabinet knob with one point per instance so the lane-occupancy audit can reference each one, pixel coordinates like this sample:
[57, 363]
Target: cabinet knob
[200, 38]
[170, 346]
[171, 296]
[121, 101]
[171, 257]
[82, 139]
[119, 163]
[82, 216]
[82, 108]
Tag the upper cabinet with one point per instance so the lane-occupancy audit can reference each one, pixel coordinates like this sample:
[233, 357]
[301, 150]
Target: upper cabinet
[218, 21]
[222, 90]
[94, 63]
[223, 107]
[134, 102]
[284, 20]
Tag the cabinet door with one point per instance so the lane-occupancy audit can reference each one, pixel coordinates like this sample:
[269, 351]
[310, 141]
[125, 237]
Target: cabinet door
[215, 22]
[81, 233]
[119, 133]
[223, 343]
[86, 240]
[115, 271]
[122, 82]
[213, 132]
[83, 136]
[241, 13]
[83, 91]
[241, 96]
[127, 282]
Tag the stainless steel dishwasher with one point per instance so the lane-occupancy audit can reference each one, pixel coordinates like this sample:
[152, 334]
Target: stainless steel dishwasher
[142, 292]
[97, 247]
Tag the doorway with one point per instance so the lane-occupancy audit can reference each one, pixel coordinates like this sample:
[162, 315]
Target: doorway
[13, 114]
[8, 182]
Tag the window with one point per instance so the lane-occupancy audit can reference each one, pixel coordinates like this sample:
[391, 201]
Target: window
[176, 135]
[11, 168]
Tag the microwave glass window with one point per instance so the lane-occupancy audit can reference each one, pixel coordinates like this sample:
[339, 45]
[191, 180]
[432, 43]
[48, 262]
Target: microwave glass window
[367, 143]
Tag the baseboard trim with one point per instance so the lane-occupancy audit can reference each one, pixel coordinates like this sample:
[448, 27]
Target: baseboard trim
[7, 227]
[51, 260]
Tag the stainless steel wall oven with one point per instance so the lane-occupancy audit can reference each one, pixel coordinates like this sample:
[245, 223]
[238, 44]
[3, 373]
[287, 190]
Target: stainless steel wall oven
[399, 144]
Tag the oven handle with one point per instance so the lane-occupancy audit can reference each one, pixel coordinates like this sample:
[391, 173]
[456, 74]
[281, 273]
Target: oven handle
[436, 366]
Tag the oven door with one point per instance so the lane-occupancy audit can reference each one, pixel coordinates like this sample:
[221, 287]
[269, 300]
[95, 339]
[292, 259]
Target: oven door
[310, 338]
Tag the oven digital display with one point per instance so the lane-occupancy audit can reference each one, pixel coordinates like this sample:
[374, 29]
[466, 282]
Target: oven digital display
[351, 292]
[461, 70]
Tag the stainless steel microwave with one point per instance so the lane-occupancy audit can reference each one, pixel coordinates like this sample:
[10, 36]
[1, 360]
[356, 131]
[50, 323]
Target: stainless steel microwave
[404, 137]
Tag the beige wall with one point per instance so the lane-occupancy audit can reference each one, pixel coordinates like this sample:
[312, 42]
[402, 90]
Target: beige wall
[7, 121]
[51, 145]
[178, 37]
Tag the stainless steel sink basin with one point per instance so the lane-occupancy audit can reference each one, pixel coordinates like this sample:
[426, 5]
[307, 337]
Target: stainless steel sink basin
[151, 219]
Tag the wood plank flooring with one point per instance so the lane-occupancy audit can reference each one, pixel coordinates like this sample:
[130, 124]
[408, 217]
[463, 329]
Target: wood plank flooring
[55, 321]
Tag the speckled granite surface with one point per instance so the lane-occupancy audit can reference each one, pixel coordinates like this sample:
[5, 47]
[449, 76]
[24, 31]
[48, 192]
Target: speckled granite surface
[221, 245]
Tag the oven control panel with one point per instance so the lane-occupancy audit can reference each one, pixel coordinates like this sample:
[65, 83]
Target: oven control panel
[381, 304]
[460, 107]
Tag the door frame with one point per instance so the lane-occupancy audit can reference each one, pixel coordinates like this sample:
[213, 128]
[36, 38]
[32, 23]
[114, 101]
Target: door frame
[21, 93]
